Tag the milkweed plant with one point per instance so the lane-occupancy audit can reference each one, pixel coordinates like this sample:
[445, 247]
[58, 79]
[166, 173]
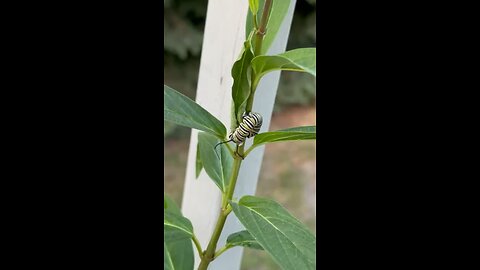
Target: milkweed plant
[268, 225]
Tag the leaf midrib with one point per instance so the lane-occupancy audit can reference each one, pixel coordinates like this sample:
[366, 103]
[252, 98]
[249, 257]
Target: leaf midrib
[246, 241]
[191, 119]
[176, 226]
[219, 174]
[301, 68]
[283, 136]
[170, 259]
[220, 160]
[263, 217]
[290, 137]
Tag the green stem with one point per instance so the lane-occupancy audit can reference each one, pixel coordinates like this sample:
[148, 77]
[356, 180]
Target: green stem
[262, 29]
[197, 245]
[252, 95]
[220, 251]
[233, 180]
[249, 150]
[209, 254]
[228, 209]
[258, 50]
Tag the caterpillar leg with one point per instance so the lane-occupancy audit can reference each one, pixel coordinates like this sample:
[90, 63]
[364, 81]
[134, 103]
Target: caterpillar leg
[239, 155]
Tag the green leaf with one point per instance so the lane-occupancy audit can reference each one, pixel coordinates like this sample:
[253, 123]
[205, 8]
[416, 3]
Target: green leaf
[198, 162]
[171, 205]
[286, 239]
[165, 204]
[277, 14]
[301, 60]
[167, 259]
[244, 239]
[176, 227]
[249, 27]
[290, 134]
[253, 4]
[216, 162]
[241, 85]
[179, 252]
[181, 110]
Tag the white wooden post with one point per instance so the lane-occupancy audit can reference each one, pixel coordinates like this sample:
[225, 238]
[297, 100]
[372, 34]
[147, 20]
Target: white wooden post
[222, 43]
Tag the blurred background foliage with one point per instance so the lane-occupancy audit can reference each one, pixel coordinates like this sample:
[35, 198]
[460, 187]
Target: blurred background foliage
[184, 22]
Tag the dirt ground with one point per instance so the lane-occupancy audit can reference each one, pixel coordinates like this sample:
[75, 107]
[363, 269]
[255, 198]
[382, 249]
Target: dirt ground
[288, 175]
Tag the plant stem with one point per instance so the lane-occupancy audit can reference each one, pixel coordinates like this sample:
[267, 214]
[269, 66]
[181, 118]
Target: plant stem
[258, 49]
[197, 245]
[253, 88]
[209, 254]
[233, 180]
[249, 150]
[263, 27]
[223, 249]
[255, 24]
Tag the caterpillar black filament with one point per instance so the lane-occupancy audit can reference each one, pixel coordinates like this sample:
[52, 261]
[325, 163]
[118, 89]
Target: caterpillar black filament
[249, 127]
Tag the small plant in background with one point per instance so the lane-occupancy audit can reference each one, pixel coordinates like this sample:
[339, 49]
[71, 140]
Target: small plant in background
[268, 225]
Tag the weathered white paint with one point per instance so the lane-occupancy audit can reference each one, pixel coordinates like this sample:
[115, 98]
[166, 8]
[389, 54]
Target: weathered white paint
[223, 40]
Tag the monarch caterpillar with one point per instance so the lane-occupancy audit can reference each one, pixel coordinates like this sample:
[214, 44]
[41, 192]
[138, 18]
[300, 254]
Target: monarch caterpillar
[249, 127]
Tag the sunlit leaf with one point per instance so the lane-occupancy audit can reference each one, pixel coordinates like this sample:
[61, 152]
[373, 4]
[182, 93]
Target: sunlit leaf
[291, 134]
[300, 60]
[253, 4]
[181, 110]
[286, 239]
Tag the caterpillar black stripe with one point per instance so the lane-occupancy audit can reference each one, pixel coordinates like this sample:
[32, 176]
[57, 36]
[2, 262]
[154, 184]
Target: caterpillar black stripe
[249, 127]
